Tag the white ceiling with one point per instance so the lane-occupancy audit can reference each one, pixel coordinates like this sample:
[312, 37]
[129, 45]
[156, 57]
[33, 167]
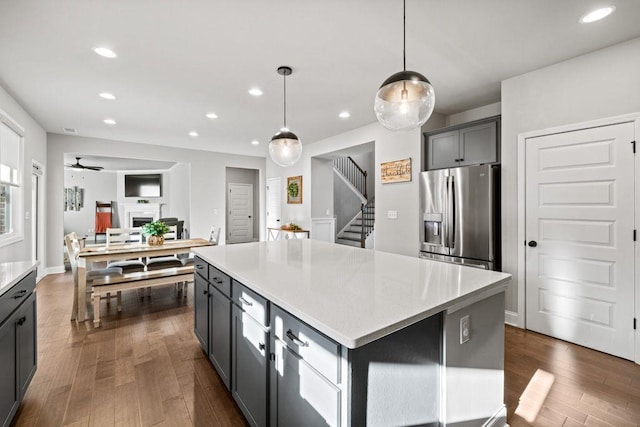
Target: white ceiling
[117, 163]
[178, 60]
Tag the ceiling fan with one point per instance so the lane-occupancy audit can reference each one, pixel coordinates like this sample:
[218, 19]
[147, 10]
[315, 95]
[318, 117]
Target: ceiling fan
[79, 166]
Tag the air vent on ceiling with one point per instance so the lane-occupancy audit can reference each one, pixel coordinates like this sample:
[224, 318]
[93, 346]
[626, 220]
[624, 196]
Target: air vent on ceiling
[69, 130]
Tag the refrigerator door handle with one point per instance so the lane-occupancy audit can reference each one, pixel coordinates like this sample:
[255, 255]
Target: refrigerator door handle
[451, 209]
[445, 208]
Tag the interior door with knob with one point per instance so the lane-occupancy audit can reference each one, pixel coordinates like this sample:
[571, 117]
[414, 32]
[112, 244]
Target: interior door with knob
[274, 200]
[240, 213]
[580, 237]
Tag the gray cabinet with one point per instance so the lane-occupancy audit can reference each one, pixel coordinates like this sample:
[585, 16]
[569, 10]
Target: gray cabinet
[250, 341]
[463, 146]
[220, 333]
[9, 397]
[18, 345]
[26, 343]
[305, 375]
[201, 310]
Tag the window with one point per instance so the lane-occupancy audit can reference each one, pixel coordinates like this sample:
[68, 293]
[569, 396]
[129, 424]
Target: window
[10, 180]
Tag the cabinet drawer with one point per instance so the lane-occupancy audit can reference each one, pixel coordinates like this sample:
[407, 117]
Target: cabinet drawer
[201, 267]
[13, 297]
[250, 302]
[316, 349]
[220, 280]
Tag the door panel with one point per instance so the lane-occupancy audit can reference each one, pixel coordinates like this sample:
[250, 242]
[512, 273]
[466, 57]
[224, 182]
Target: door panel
[274, 200]
[240, 213]
[433, 205]
[580, 212]
[201, 307]
[473, 212]
[220, 334]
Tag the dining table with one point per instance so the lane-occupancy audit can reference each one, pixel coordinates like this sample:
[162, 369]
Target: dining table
[93, 254]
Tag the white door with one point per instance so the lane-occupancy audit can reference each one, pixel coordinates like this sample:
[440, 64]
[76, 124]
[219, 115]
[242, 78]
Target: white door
[580, 212]
[240, 213]
[274, 200]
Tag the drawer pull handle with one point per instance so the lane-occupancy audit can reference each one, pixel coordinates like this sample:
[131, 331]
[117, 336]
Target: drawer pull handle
[205, 292]
[217, 280]
[199, 266]
[21, 321]
[296, 340]
[244, 301]
[19, 294]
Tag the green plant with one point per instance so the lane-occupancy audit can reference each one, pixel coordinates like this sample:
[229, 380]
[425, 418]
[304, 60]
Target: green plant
[155, 228]
[294, 227]
[293, 189]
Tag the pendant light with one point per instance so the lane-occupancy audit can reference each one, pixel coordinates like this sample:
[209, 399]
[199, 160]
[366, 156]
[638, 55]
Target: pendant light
[406, 99]
[285, 148]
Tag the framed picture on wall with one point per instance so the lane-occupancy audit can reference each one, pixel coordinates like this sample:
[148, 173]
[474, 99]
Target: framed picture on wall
[294, 189]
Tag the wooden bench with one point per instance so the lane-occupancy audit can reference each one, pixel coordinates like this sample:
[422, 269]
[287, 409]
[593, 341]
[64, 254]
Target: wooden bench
[137, 280]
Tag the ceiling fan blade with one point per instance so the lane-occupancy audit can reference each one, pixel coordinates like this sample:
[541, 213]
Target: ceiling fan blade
[93, 168]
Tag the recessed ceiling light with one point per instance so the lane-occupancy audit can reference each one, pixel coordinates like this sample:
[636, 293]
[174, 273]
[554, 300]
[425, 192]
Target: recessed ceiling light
[255, 91]
[105, 51]
[255, 142]
[344, 115]
[211, 116]
[109, 121]
[107, 95]
[597, 14]
[193, 134]
[69, 130]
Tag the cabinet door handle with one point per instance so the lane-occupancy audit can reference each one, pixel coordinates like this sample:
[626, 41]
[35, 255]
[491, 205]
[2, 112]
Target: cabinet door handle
[200, 267]
[456, 160]
[21, 321]
[296, 340]
[19, 294]
[244, 301]
[205, 292]
[262, 346]
[461, 160]
[217, 280]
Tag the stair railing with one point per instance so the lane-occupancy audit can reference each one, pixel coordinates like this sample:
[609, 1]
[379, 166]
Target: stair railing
[353, 173]
[368, 220]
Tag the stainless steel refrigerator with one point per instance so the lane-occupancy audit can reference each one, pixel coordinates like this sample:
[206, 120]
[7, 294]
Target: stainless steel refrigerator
[461, 215]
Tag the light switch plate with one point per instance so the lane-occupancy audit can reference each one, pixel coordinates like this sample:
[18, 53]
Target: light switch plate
[392, 214]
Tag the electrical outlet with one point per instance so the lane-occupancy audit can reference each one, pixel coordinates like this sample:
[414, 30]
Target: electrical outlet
[465, 329]
[392, 214]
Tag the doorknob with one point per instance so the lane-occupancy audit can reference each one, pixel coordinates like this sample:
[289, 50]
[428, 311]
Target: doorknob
[249, 216]
[533, 244]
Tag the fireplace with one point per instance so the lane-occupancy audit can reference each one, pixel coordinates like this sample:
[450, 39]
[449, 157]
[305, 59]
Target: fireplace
[136, 215]
[139, 221]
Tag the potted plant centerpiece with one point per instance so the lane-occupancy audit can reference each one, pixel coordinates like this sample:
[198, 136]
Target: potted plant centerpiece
[155, 231]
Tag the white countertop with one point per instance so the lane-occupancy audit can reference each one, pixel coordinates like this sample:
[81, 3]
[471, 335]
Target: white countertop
[352, 295]
[12, 272]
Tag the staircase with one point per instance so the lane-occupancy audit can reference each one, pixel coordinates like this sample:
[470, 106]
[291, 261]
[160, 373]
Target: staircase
[361, 226]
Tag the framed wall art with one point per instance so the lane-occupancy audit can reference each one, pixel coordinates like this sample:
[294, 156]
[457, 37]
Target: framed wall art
[294, 189]
[396, 171]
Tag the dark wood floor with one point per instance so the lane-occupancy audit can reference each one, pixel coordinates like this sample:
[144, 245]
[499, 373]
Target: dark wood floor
[144, 367]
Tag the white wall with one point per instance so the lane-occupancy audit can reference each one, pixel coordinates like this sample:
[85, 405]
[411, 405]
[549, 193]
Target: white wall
[601, 84]
[485, 111]
[180, 201]
[97, 186]
[35, 148]
[207, 192]
[399, 235]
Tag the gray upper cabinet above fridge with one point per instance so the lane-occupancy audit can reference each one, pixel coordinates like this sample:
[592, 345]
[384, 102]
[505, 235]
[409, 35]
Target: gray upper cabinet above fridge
[470, 144]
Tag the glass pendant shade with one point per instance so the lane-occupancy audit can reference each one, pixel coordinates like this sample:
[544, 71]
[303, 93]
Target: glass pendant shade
[285, 148]
[404, 101]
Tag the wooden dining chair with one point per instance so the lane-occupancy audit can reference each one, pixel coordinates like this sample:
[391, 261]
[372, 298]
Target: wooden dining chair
[121, 236]
[72, 246]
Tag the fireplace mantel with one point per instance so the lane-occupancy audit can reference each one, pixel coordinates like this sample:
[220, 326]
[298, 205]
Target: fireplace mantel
[134, 210]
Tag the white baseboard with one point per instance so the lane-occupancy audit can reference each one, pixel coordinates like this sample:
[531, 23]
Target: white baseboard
[512, 318]
[53, 270]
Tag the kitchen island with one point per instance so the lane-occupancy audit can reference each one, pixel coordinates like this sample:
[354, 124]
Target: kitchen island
[305, 332]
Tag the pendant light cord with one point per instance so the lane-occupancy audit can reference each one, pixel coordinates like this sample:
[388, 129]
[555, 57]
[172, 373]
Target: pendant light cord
[285, 100]
[404, 35]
